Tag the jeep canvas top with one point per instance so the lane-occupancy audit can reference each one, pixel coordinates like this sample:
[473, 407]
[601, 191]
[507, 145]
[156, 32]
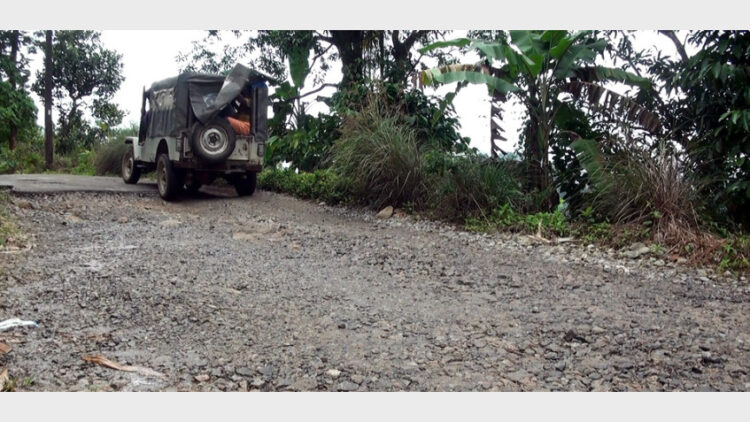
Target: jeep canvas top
[196, 127]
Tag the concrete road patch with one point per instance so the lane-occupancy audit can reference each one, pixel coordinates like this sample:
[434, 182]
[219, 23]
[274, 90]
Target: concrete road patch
[54, 183]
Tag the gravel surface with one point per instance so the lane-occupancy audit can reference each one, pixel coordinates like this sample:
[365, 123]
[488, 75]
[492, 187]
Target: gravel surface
[272, 293]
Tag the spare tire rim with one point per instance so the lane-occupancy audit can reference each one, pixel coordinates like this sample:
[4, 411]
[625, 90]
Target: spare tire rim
[214, 141]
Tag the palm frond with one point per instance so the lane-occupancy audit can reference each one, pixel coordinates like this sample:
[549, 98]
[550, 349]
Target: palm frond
[603, 99]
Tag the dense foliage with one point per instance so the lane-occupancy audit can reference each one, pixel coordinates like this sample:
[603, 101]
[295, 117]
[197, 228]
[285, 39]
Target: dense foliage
[85, 77]
[471, 184]
[17, 109]
[307, 147]
[709, 112]
[538, 68]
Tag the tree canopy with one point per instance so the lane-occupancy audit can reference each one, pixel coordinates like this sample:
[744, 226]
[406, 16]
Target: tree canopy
[17, 109]
[85, 77]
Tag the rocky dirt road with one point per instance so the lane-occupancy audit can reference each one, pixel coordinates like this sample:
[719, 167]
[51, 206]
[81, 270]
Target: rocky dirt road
[272, 293]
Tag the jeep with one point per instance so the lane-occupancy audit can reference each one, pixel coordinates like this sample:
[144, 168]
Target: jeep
[196, 127]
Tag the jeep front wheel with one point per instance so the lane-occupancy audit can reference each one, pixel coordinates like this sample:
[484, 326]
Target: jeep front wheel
[166, 178]
[130, 172]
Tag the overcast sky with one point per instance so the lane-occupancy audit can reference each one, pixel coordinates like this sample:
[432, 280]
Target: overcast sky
[149, 55]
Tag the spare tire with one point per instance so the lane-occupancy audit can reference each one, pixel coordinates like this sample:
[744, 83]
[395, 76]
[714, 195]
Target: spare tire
[213, 142]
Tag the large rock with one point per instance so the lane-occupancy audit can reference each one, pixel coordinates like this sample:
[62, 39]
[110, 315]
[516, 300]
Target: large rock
[347, 386]
[636, 250]
[386, 212]
[245, 371]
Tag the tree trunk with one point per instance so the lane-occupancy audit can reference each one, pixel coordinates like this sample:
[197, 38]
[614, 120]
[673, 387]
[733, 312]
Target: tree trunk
[381, 59]
[537, 150]
[349, 45]
[13, 141]
[48, 145]
[402, 64]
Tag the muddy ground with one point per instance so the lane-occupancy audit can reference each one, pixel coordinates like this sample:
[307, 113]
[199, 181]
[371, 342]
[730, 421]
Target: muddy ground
[266, 293]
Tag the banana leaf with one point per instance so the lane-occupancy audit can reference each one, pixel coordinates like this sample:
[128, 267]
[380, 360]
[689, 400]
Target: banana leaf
[599, 97]
[474, 74]
[458, 42]
[590, 157]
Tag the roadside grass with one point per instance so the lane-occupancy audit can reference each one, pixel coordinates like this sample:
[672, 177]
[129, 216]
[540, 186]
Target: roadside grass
[14, 383]
[722, 250]
[730, 252]
[321, 185]
[26, 158]
[505, 218]
[735, 254]
[8, 227]
[470, 185]
[103, 159]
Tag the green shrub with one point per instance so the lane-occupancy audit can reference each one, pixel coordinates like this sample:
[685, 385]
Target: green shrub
[506, 218]
[734, 254]
[84, 164]
[307, 147]
[108, 157]
[28, 157]
[24, 159]
[322, 185]
[635, 186]
[380, 155]
[470, 185]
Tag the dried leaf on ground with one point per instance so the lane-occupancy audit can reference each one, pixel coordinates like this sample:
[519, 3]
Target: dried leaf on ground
[4, 348]
[4, 379]
[101, 360]
[537, 239]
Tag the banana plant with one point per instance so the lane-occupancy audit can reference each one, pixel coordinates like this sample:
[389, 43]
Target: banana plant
[539, 68]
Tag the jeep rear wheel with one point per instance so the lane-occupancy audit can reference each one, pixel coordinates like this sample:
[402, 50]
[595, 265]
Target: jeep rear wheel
[213, 142]
[130, 173]
[193, 186]
[245, 183]
[167, 179]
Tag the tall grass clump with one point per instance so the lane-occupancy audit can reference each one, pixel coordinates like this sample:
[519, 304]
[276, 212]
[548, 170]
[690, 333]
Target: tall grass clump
[642, 187]
[470, 185]
[108, 157]
[380, 155]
